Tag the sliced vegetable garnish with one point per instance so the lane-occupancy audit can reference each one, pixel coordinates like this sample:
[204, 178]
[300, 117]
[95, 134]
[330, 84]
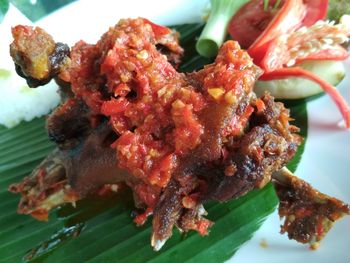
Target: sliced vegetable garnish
[294, 88]
[286, 20]
[251, 20]
[281, 45]
[332, 91]
[315, 10]
[322, 40]
[262, 20]
[215, 31]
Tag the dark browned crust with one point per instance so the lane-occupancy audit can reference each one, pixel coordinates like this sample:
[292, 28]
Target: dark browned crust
[221, 168]
[37, 57]
[69, 123]
[308, 214]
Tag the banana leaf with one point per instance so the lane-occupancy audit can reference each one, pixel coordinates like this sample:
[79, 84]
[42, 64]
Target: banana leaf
[100, 229]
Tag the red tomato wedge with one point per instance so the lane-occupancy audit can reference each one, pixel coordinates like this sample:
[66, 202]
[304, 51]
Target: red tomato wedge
[284, 73]
[250, 21]
[272, 52]
[287, 19]
[315, 10]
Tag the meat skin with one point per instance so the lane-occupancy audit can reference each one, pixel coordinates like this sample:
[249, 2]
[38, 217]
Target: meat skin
[127, 116]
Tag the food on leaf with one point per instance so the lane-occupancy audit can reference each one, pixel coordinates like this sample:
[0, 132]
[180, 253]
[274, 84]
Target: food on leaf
[333, 72]
[290, 35]
[129, 117]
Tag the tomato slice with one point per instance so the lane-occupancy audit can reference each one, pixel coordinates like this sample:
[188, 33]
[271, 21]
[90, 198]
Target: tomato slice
[271, 53]
[315, 10]
[287, 19]
[250, 21]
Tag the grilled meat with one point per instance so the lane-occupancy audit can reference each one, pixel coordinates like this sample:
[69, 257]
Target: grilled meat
[177, 140]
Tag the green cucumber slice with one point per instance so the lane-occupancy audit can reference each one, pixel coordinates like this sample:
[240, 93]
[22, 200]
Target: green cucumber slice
[297, 88]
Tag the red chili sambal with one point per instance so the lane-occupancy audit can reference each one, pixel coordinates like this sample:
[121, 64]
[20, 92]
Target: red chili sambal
[154, 109]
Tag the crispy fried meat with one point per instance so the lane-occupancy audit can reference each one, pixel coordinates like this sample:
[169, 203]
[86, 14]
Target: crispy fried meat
[37, 57]
[308, 214]
[176, 140]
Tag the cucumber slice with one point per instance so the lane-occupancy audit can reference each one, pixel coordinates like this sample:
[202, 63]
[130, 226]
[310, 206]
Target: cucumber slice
[297, 88]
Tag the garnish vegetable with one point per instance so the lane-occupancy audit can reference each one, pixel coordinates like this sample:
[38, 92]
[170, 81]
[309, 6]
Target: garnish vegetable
[215, 31]
[281, 34]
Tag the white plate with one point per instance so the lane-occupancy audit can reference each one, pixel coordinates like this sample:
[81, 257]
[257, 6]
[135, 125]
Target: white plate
[325, 161]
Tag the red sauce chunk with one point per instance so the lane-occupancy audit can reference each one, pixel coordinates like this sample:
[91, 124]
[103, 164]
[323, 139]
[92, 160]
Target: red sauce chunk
[154, 109]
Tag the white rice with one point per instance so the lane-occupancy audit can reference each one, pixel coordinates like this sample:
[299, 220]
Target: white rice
[19, 102]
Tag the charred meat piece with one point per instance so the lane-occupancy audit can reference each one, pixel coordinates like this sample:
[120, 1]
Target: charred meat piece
[45, 188]
[93, 163]
[308, 214]
[176, 140]
[267, 143]
[36, 55]
[69, 123]
[68, 175]
[220, 84]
